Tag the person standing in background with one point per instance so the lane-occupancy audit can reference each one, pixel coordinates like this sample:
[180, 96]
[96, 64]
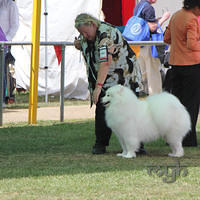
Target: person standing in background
[183, 35]
[150, 66]
[9, 18]
[9, 23]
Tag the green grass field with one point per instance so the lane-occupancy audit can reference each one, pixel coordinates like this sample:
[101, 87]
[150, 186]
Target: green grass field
[53, 161]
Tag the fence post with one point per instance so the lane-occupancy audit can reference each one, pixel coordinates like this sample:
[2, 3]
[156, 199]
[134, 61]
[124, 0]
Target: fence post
[62, 83]
[33, 96]
[1, 82]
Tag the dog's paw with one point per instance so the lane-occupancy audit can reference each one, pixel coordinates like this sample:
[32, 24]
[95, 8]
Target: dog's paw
[129, 155]
[122, 154]
[171, 154]
[176, 155]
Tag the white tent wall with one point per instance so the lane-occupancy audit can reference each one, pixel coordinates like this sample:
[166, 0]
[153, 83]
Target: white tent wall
[61, 16]
[167, 5]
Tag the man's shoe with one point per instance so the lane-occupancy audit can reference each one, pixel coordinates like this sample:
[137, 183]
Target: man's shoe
[189, 145]
[141, 151]
[99, 149]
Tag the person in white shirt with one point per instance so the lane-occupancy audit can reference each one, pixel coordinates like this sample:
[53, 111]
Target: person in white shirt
[9, 18]
[9, 23]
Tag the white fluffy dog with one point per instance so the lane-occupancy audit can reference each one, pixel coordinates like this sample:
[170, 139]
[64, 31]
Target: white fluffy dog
[135, 121]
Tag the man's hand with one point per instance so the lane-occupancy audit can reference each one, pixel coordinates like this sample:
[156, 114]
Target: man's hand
[96, 94]
[164, 18]
[152, 26]
[77, 44]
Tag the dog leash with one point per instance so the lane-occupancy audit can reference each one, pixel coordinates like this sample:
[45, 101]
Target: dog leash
[102, 89]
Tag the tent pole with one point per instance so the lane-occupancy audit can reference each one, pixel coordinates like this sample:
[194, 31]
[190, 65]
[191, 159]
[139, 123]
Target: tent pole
[62, 84]
[2, 62]
[46, 52]
[34, 61]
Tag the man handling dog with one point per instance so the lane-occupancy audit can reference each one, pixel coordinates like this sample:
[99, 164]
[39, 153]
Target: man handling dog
[110, 61]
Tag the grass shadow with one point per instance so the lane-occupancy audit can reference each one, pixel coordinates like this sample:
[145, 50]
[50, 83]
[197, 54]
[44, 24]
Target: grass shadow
[65, 148]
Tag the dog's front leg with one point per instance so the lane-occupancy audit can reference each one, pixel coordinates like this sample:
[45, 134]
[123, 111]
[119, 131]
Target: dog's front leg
[131, 145]
[123, 146]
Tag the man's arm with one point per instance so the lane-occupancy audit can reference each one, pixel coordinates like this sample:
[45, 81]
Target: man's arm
[101, 77]
[153, 25]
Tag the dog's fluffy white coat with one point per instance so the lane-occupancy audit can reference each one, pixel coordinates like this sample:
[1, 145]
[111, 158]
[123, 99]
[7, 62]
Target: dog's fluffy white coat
[135, 121]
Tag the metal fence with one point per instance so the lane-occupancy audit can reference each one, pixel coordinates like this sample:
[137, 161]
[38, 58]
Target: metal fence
[63, 45]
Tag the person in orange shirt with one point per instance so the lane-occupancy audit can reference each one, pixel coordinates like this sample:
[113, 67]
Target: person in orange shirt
[183, 34]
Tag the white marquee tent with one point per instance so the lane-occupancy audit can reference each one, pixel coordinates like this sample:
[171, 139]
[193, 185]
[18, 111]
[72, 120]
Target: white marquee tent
[167, 5]
[61, 15]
